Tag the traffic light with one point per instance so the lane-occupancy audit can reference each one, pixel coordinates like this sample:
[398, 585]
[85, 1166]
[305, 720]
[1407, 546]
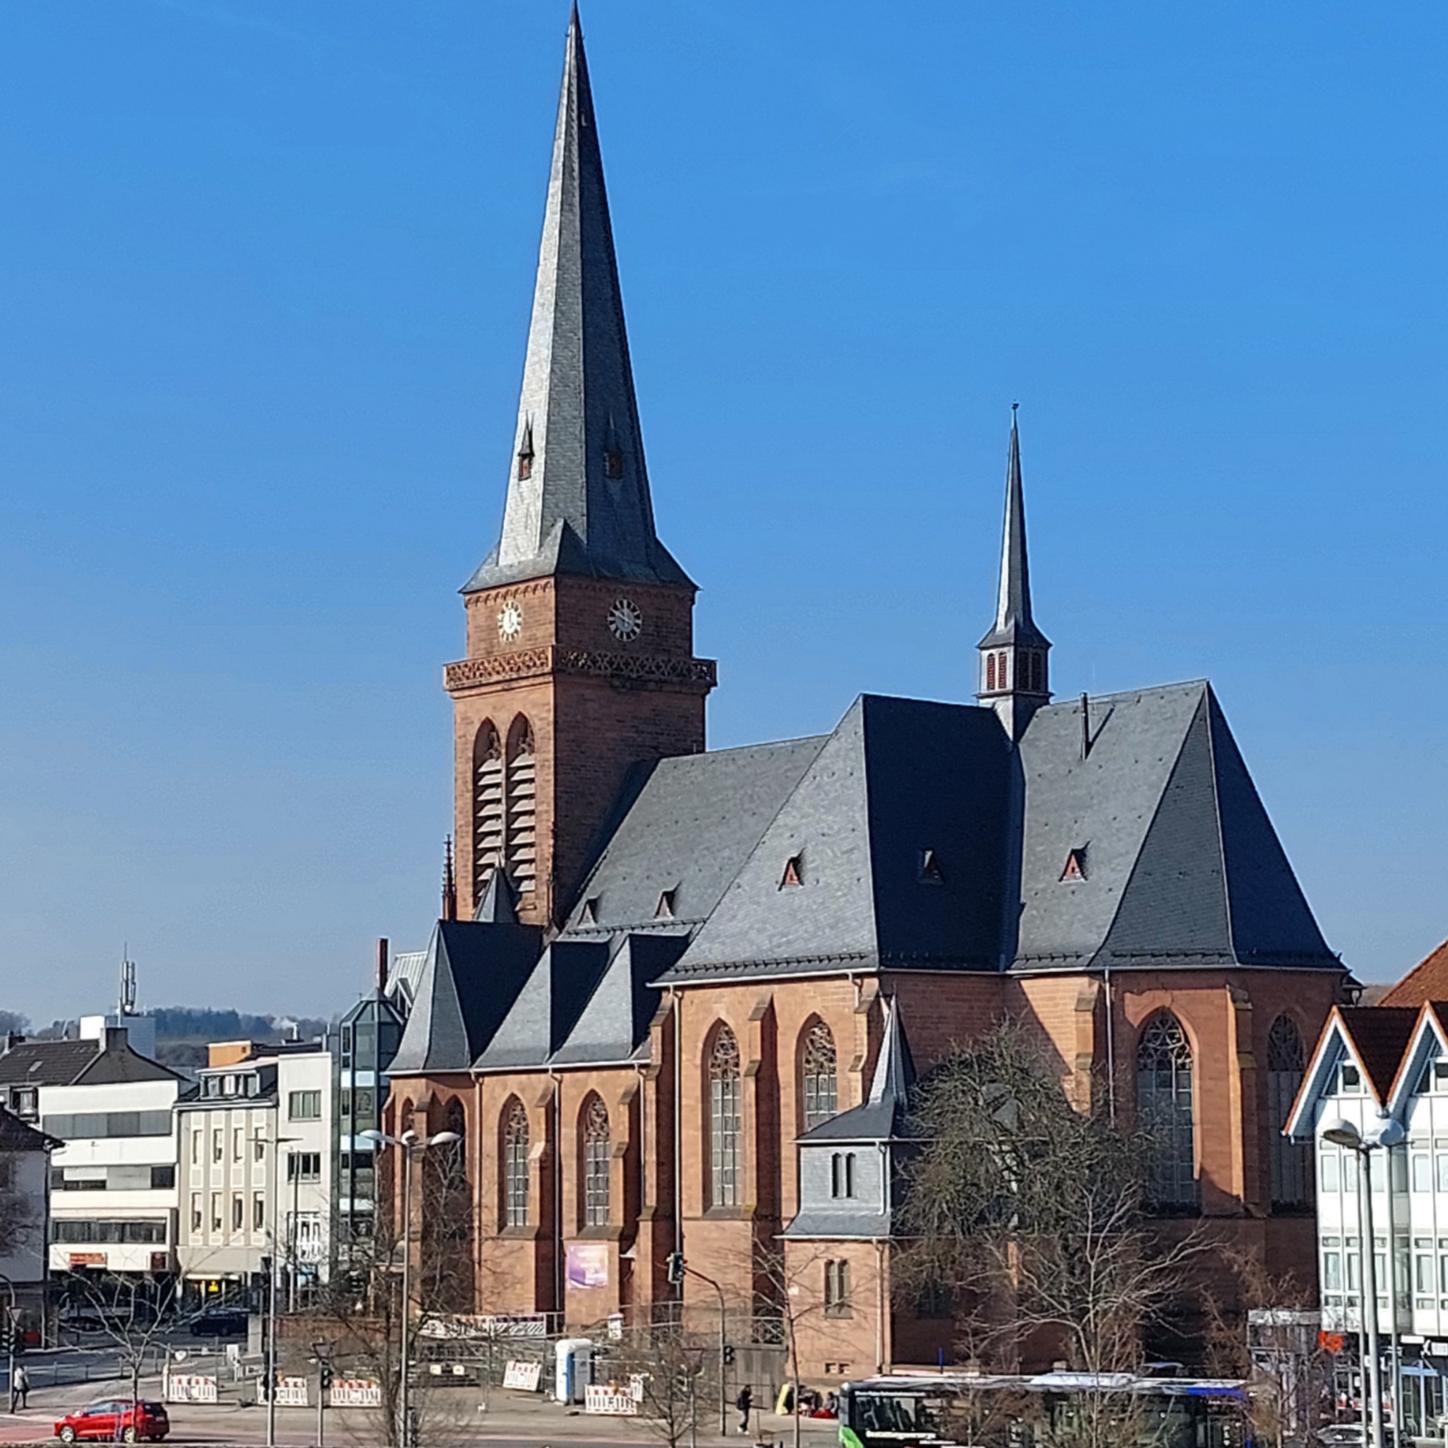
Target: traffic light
[676, 1268]
[7, 1334]
[728, 1354]
[325, 1377]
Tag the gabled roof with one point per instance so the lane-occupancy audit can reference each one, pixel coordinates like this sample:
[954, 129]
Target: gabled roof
[1428, 980]
[110, 1068]
[46, 1063]
[548, 1006]
[578, 489]
[1379, 1035]
[1375, 1038]
[687, 824]
[1182, 865]
[897, 777]
[470, 977]
[614, 1025]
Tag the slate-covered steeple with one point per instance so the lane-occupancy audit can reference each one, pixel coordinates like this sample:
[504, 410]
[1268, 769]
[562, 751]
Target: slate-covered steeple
[578, 489]
[1014, 669]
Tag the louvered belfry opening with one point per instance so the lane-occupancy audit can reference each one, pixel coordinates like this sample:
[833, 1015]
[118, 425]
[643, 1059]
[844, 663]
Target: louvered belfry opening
[487, 807]
[521, 848]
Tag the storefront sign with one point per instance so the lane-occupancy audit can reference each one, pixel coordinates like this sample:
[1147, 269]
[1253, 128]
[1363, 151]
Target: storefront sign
[588, 1264]
[525, 1377]
[87, 1259]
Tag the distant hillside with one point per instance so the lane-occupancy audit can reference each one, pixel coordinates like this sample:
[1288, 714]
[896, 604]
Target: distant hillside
[183, 1032]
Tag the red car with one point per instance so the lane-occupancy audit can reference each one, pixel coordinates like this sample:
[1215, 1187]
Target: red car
[115, 1420]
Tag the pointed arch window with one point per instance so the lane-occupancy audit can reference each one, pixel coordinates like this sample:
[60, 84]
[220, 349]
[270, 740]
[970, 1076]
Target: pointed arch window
[724, 1126]
[1289, 1161]
[515, 1164]
[990, 672]
[597, 1151]
[522, 815]
[818, 1083]
[487, 806]
[1166, 1113]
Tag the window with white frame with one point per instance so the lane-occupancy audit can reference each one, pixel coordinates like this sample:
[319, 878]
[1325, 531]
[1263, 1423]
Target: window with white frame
[1421, 1172]
[1329, 1166]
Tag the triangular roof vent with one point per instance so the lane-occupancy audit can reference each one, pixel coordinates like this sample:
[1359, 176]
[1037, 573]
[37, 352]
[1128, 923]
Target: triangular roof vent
[793, 872]
[929, 872]
[665, 907]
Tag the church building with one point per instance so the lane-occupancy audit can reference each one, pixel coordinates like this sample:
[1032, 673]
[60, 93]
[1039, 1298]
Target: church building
[680, 995]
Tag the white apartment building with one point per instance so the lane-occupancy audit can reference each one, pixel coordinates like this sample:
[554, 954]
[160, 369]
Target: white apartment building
[1374, 1065]
[256, 1165]
[113, 1175]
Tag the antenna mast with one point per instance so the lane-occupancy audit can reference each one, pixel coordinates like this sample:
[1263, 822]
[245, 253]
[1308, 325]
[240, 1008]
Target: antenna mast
[127, 1002]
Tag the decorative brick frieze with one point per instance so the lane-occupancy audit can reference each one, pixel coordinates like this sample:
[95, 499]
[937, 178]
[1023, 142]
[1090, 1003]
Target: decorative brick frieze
[469, 674]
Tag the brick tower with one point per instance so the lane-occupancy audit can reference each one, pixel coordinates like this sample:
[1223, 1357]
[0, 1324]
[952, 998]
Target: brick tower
[580, 658]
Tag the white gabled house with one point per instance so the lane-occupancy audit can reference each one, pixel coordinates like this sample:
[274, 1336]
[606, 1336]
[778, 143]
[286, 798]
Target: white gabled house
[1372, 1065]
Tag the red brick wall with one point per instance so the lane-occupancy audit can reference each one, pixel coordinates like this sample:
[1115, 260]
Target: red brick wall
[589, 729]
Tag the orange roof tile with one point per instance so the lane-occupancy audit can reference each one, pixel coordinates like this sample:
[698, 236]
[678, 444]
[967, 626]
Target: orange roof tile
[1427, 981]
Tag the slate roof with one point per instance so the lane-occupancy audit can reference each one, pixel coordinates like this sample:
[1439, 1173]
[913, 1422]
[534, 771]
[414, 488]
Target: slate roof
[614, 1025]
[470, 977]
[1427, 981]
[687, 825]
[547, 1008]
[110, 1068]
[884, 1114]
[896, 778]
[46, 1063]
[583, 504]
[1181, 863]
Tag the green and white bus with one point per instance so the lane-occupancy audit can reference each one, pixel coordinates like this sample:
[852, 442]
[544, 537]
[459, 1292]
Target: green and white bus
[968, 1410]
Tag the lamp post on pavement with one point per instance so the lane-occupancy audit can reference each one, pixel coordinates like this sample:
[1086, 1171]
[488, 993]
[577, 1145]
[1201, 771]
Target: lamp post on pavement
[412, 1146]
[1388, 1135]
[276, 1143]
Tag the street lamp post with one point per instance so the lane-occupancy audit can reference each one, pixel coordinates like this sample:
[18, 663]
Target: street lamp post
[1388, 1135]
[276, 1143]
[412, 1146]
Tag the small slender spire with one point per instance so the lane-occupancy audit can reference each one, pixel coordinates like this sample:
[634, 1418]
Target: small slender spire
[449, 882]
[580, 503]
[1014, 670]
[894, 1066]
[1014, 623]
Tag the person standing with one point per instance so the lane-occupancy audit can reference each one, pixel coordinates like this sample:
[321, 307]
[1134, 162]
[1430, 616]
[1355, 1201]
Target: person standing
[744, 1402]
[20, 1388]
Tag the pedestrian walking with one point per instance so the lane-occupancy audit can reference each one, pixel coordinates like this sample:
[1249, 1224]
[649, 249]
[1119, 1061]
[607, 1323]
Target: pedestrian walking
[744, 1402]
[20, 1389]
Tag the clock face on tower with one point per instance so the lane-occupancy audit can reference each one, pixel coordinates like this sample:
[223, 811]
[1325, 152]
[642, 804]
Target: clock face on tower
[625, 619]
[510, 621]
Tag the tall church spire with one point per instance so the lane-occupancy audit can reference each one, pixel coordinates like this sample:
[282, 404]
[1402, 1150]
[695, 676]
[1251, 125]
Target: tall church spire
[1014, 676]
[578, 488]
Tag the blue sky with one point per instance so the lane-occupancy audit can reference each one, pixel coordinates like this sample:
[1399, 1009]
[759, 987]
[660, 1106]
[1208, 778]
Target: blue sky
[266, 269]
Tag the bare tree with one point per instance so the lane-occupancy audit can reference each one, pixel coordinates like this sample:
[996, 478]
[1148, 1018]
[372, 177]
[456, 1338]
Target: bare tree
[676, 1381]
[792, 1283]
[359, 1311]
[1033, 1211]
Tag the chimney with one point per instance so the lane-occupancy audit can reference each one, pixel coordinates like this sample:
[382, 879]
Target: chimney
[381, 965]
[13, 1039]
[112, 1038]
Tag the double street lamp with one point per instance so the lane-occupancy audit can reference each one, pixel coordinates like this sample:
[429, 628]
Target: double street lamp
[1384, 1137]
[412, 1146]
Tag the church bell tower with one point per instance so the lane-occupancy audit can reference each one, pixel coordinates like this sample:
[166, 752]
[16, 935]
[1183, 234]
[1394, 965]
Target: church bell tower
[580, 649]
